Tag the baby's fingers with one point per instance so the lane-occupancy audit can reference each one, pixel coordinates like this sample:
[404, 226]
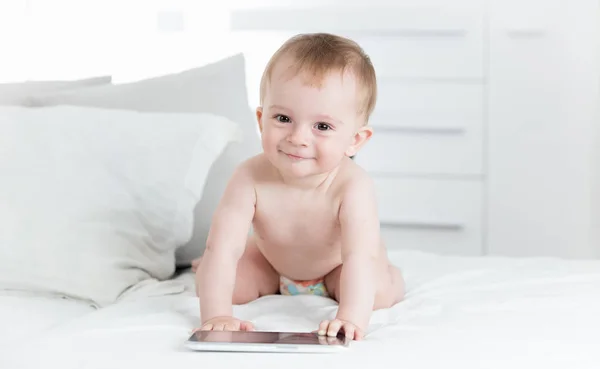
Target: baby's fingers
[206, 327]
[349, 330]
[196, 330]
[246, 326]
[323, 328]
[359, 334]
[233, 326]
[353, 332]
[219, 327]
[334, 328]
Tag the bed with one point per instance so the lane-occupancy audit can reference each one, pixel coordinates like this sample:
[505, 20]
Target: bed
[106, 197]
[459, 312]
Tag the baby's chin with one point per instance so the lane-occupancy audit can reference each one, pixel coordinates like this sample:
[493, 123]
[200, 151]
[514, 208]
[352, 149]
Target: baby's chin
[299, 169]
[305, 169]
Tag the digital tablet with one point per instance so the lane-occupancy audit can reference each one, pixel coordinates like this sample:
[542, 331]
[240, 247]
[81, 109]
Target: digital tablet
[254, 341]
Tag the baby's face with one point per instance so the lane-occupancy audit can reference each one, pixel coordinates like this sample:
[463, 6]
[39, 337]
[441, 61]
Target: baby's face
[308, 130]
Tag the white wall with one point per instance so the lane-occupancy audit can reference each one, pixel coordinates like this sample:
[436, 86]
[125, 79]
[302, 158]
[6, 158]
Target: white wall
[130, 39]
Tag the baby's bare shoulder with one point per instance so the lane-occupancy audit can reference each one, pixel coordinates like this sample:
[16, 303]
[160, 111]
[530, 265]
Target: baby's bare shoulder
[254, 168]
[354, 181]
[358, 200]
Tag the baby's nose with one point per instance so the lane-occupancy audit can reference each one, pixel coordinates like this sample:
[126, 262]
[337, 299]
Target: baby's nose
[299, 136]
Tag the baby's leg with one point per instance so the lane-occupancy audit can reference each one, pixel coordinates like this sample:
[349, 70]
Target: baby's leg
[389, 280]
[255, 277]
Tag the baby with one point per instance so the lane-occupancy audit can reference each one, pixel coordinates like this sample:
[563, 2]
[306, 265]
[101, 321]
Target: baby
[311, 210]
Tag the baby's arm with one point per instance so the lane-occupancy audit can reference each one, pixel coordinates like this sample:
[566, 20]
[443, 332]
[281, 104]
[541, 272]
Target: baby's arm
[225, 245]
[360, 250]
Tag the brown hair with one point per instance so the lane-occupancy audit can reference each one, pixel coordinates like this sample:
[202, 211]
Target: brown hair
[319, 54]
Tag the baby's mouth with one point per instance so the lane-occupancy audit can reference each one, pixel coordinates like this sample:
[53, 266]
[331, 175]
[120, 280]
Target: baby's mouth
[294, 157]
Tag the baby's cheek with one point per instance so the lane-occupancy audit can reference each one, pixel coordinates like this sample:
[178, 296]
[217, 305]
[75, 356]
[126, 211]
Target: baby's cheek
[269, 139]
[342, 144]
[333, 150]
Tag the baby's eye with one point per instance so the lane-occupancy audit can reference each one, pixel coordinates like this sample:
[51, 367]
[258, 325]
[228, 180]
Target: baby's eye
[282, 118]
[323, 126]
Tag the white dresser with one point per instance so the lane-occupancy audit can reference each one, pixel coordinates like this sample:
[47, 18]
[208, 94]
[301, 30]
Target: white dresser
[543, 193]
[450, 155]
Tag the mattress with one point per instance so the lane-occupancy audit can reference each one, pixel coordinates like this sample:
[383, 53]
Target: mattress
[459, 312]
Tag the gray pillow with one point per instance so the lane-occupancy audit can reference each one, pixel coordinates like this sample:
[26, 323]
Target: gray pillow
[218, 88]
[21, 93]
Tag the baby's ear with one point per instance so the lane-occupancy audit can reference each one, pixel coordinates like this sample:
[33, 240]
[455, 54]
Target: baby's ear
[360, 138]
[259, 112]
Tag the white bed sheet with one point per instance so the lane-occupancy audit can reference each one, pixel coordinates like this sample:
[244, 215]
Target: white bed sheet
[459, 312]
[21, 314]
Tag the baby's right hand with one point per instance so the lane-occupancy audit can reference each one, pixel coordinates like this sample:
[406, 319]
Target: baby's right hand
[226, 323]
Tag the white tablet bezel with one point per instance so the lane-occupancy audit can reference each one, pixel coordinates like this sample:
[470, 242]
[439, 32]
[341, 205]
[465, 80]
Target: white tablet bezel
[267, 347]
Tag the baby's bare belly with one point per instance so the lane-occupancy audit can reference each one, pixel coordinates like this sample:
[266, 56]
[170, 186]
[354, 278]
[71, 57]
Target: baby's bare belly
[298, 260]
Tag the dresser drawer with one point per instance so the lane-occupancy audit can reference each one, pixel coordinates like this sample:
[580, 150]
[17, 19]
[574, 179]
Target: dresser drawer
[419, 40]
[432, 128]
[442, 216]
[405, 38]
[452, 53]
[422, 153]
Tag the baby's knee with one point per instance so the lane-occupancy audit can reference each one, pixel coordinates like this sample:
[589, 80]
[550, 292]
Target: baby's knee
[243, 296]
[391, 291]
[196, 264]
[384, 299]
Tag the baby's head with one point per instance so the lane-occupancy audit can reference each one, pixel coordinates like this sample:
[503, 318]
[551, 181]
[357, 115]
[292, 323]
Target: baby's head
[316, 95]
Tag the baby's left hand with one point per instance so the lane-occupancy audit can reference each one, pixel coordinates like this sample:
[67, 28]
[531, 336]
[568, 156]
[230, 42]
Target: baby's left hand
[332, 327]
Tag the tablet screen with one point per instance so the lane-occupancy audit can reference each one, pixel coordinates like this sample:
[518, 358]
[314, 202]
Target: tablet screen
[280, 338]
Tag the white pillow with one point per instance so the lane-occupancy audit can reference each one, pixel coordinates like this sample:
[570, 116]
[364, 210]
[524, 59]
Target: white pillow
[23, 93]
[94, 202]
[217, 88]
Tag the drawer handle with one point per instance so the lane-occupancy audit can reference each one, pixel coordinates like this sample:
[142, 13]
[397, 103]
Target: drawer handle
[420, 130]
[407, 32]
[423, 225]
